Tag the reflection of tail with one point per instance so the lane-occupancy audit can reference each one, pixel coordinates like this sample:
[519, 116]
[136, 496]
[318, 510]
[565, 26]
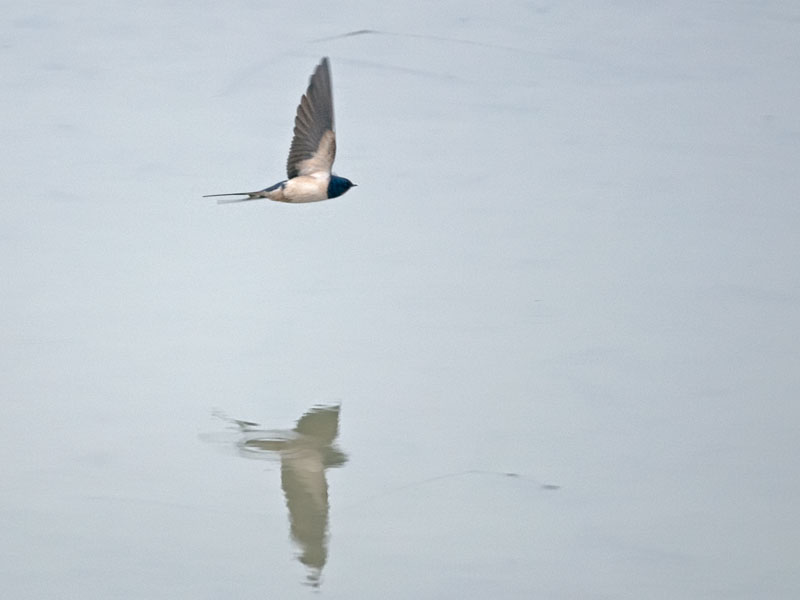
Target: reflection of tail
[243, 425]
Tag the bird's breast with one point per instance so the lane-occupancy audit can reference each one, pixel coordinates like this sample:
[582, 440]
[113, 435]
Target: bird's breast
[306, 188]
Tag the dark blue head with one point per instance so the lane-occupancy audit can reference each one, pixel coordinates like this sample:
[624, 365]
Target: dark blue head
[338, 186]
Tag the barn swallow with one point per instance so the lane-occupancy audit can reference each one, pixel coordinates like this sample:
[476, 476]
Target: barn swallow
[312, 151]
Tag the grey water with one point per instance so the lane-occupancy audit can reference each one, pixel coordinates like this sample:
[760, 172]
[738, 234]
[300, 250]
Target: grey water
[546, 348]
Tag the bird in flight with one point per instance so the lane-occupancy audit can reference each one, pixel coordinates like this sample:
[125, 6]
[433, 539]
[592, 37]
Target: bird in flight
[312, 151]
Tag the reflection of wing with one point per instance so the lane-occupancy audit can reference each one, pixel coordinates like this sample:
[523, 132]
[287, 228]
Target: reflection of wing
[314, 144]
[305, 452]
[320, 423]
[306, 490]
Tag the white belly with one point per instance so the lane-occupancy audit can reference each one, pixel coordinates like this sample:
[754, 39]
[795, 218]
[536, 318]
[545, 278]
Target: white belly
[305, 189]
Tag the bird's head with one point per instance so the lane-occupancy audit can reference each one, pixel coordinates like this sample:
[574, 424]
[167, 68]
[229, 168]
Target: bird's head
[338, 186]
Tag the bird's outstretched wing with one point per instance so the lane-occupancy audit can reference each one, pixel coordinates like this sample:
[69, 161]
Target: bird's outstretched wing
[314, 144]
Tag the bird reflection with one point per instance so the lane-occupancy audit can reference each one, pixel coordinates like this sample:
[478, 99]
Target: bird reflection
[305, 453]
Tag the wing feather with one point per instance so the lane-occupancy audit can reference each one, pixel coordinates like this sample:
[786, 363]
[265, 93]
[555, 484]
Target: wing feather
[313, 146]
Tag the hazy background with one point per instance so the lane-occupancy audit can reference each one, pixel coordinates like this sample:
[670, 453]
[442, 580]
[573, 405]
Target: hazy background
[572, 256]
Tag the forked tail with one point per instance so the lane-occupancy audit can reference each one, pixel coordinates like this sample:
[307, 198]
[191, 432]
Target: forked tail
[251, 196]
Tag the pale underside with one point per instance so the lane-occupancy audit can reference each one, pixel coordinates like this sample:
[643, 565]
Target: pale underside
[305, 188]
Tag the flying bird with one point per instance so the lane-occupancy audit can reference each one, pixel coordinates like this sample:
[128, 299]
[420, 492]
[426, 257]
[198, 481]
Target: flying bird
[312, 151]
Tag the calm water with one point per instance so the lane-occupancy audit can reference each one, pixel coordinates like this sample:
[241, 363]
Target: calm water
[547, 348]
